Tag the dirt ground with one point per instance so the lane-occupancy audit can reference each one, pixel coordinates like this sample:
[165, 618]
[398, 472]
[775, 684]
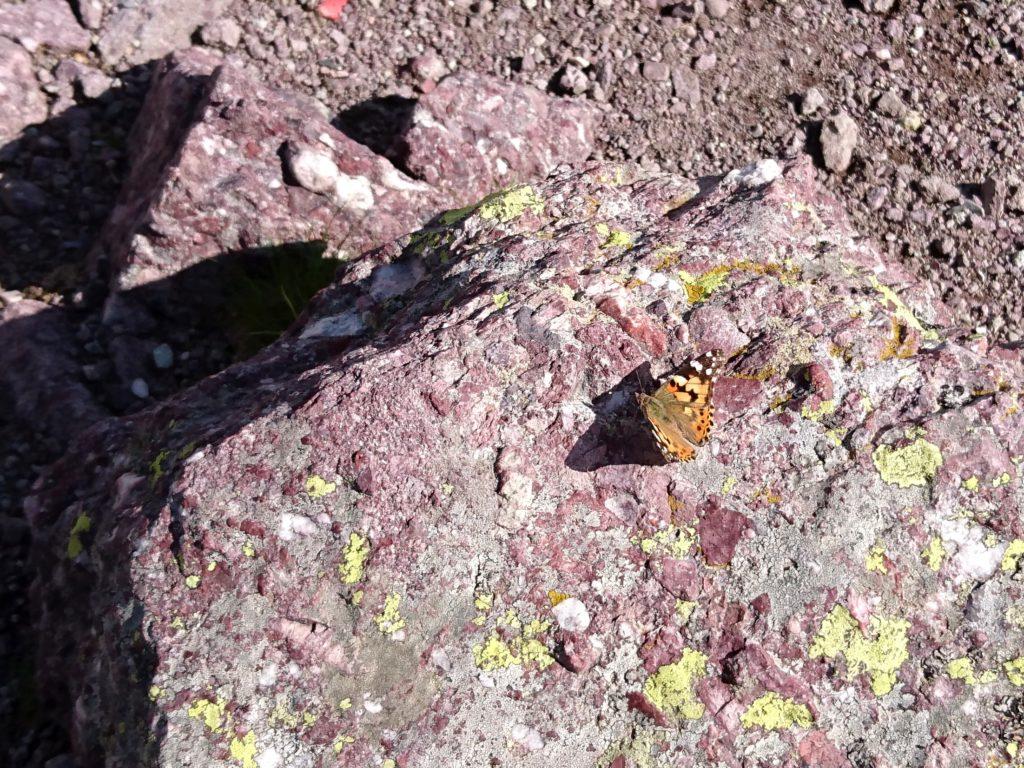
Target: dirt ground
[929, 161]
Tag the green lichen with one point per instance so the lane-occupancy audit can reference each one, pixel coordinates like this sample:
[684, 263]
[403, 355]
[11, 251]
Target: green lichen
[455, 216]
[672, 687]
[880, 658]
[934, 553]
[156, 467]
[911, 465]
[772, 712]
[1012, 555]
[213, 714]
[353, 559]
[342, 741]
[891, 301]
[244, 750]
[83, 523]
[613, 238]
[509, 204]
[317, 487]
[1015, 671]
[389, 620]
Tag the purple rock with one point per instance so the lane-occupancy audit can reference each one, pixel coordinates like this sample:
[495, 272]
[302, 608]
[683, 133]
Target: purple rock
[48, 23]
[23, 102]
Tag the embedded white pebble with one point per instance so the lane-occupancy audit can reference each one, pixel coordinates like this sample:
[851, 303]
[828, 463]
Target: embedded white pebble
[293, 525]
[572, 615]
[353, 192]
[527, 737]
[268, 758]
[657, 280]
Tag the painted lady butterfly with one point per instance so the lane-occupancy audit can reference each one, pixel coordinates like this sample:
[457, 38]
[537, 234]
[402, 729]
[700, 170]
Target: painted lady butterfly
[680, 411]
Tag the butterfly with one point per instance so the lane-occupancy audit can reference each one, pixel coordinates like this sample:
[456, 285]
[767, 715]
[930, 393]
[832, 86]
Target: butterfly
[680, 411]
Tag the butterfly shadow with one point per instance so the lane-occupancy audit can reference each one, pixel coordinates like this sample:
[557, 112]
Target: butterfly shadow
[619, 433]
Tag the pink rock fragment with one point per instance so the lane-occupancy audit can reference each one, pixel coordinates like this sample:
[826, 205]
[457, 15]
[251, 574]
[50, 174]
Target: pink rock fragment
[720, 530]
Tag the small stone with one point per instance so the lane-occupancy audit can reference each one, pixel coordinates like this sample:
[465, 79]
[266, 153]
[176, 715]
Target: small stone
[225, 32]
[939, 190]
[310, 169]
[22, 198]
[705, 62]
[838, 139]
[428, 66]
[657, 71]
[163, 356]
[891, 105]
[716, 9]
[140, 388]
[686, 86]
[573, 80]
[812, 101]
[572, 615]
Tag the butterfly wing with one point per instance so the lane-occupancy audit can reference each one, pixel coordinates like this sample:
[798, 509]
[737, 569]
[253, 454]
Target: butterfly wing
[681, 411]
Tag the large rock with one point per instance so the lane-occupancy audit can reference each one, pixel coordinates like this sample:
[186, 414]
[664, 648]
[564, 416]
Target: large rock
[360, 547]
[138, 31]
[46, 23]
[474, 134]
[24, 103]
[210, 176]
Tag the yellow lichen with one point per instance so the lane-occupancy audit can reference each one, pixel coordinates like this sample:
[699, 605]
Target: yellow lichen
[154, 692]
[775, 713]
[555, 597]
[509, 204]
[345, 704]
[83, 524]
[613, 238]
[1015, 671]
[501, 300]
[341, 742]
[671, 687]
[889, 297]
[248, 550]
[675, 541]
[1012, 555]
[880, 658]
[1003, 479]
[244, 750]
[212, 713]
[912, 465]
[523, 650]
[494, 653]
[353, 559]
[729, 484]
[317, 487]
[685, 609]
[875, 561]
[934, 553]
[825, 408]
[192, 581]
[389, 620]
[971, 483]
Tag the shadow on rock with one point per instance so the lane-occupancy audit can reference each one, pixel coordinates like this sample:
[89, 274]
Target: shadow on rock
[376, 123]
[619, 434]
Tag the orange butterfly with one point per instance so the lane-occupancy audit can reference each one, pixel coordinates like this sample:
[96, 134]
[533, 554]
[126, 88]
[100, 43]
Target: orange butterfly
[680, 411]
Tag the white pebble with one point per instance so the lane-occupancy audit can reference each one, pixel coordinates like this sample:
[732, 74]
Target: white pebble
[140, 388]
[163, 356]
[572, 615]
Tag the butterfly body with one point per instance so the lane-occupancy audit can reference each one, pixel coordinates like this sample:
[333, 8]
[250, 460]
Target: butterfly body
[680, 411]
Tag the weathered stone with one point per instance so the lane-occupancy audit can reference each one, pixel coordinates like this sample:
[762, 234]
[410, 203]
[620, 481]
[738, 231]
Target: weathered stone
[138, 31]
[23, 102]
[350, 549]
[46, 23]
[838, 139]
[475, 134]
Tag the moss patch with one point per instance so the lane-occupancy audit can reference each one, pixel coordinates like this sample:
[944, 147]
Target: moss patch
[911, 465]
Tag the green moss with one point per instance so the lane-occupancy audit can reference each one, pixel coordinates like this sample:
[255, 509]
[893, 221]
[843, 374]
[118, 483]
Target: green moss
[83, 523]
[671, 687]
[244, 750]
[353, 559]
[156, 467]
[775, 713]
[880, 658]
[1012, 555]
[509, 204]
[317, 487]
[389, 620]
[911, 465]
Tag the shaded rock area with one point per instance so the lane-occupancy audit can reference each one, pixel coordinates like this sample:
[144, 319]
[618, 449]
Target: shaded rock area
[428, 527]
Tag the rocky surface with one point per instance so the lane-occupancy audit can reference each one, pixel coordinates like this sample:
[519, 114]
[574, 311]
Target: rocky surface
[472, 135]
[136, 33]
[429, 528]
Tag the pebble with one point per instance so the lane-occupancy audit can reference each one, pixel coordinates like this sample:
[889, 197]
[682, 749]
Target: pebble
[716, 9]
[573, 80]
[140, 388]
[572, 615]
[812, 101]
[163, 356]
[939, 190]
[891, 105]
[838, 139]
[312, 170]
[705, 62]
[657, 71]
